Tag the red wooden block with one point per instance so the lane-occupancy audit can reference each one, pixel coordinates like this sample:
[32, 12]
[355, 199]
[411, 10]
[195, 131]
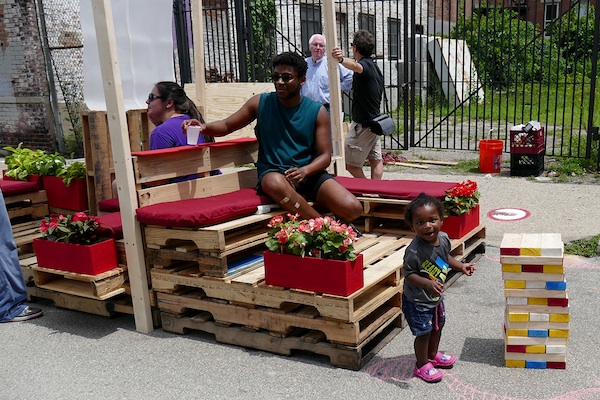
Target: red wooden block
[510, 251]
[533, 268]
[513, 348]
[558, 302]
[556, 364]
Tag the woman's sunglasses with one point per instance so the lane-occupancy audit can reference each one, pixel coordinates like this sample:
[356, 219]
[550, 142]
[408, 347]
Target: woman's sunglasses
[152, 97]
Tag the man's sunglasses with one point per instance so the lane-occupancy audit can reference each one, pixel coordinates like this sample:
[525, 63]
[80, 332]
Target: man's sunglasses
[152, 97]
[285, 77]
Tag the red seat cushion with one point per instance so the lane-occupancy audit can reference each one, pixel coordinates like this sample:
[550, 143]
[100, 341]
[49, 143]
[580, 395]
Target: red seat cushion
[12, 188]
[109, 205]
[204, 211]
[395, 189]
[110, 225]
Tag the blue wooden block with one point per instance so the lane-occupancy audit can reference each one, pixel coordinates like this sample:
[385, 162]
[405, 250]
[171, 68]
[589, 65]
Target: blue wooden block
[537, 333]
[535, 364]
[556, 285]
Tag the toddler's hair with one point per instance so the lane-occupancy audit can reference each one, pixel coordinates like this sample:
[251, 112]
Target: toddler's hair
[421, 201]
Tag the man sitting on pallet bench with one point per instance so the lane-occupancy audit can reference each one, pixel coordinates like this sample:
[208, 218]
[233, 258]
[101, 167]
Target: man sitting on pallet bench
[294, 142]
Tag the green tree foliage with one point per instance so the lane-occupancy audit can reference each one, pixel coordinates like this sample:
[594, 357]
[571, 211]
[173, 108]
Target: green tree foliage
[264, 20]
[574, 35]
[506, 49]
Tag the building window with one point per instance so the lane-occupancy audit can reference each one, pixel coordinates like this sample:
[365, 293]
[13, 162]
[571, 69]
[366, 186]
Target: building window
[394, 38]
[342, 27]
[551, 12]
[310, 23]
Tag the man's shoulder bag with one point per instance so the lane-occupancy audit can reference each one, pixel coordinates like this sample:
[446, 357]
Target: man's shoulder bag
[383, 125]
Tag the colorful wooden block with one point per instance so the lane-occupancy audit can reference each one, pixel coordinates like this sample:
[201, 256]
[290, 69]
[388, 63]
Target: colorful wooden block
[531, 244]
[521, 301]
[536, 293]
[511, 268]
[510, 284]
[537, 301]
[560, 317]
[517, 332]
[518, 317]
[556, 285]
[535, 364]
[533, 276]
[535, 284]
[552, 245]
[535, 349]
[556, 349]
[511, 244]
[531, 260]
[537, 332]
[536, 268]
[535, 357]
[539, 317]
[558, 333]
[558, 302]
[554, 269]
[528, 341]
[515, 363]
[538, 309]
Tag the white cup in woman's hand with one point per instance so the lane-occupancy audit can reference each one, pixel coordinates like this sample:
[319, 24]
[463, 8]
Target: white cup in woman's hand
[192, 133]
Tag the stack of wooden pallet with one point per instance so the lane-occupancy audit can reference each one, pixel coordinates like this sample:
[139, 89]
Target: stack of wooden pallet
[537, 313]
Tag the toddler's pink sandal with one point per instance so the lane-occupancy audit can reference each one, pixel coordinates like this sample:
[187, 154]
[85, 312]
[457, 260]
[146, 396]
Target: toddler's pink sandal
[428, 373]
[442, 360]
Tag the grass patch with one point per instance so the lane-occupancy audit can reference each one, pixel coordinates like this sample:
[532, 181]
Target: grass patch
[468, 166]
[583, 247]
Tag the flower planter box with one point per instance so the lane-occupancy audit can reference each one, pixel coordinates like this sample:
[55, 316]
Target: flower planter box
[458, 226]
[72, 197]
[90, 259]
[336, 277]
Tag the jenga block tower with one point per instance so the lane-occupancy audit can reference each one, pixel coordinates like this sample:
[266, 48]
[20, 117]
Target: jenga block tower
[536, 321]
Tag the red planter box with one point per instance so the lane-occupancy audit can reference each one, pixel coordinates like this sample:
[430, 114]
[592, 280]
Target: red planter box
[458, 226]
[72, 197]
[92, 259]
[341, 278]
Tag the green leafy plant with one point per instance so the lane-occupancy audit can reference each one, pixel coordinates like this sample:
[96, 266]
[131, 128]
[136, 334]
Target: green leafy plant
[22, 162]
[50, 164]
[75, 170]
[78, 228]
[461, 198]
[323, 237]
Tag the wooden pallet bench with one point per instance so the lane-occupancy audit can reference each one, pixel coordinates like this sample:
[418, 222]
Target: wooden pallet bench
[351, 357]
[280, 322]
[99, 287]
[382, 258]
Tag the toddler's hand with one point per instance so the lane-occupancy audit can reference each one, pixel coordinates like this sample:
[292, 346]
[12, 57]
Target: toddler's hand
[435, 288]
[468, 269]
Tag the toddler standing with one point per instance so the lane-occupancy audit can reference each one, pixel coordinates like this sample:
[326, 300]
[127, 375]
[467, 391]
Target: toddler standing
[427, 262]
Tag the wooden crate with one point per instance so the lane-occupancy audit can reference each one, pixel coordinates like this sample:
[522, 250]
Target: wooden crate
[27, 206]
[98, 153]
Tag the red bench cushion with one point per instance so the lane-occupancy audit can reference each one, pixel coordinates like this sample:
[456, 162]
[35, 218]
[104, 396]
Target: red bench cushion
[12, 188]
[204, 211]
[109, 205]
[110, 225]
[395, 189]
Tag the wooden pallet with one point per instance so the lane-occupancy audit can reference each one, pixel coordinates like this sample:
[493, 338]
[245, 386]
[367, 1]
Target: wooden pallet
[27, 206]
[100, 287]
[351, 357]
[383, 255]
[281, 322]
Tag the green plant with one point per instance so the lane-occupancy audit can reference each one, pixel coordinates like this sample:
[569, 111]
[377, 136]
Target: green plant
[78, 228]
[461, 198]
[75, 170]
[323, 237]
[583, 247]
[22, 162]
[50, 164]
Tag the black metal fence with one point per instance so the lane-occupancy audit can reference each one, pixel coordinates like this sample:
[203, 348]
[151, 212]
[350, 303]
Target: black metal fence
[455, 72]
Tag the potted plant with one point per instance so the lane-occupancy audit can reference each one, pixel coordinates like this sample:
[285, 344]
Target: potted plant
[23, 164]
[66, 185]
[316, 255]
[461, 205]
[72, 243]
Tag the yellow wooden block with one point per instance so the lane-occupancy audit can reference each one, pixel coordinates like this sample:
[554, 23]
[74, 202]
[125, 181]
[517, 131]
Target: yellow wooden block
[536, 252]
[518, 317]
[536, 349]
[515, 363]
[560, 318]
[558, 333]
[518, 332]
[534, 301]
[554, 269]
[512, 284]
[511, 268]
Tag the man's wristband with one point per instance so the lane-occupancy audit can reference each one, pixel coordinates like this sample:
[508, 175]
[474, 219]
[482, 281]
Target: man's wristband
[342, 60]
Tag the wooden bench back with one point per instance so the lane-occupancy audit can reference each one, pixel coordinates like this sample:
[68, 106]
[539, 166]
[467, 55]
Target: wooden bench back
[154, 170]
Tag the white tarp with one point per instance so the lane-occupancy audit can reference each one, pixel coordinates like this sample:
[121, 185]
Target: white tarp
[143, 31]
[456, 71]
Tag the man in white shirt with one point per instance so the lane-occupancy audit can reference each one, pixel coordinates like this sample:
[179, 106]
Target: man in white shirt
[317, 79]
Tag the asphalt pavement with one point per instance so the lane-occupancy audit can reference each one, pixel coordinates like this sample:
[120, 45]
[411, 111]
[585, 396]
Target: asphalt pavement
[73, 355]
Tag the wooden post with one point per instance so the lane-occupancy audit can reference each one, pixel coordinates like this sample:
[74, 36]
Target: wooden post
[199, 68]
[113, 93]
[335, 92]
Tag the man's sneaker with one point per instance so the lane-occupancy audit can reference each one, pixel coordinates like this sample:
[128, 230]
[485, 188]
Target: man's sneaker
[27, 314]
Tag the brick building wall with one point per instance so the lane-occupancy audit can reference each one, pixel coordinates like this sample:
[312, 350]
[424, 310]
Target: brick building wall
[25, 113]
